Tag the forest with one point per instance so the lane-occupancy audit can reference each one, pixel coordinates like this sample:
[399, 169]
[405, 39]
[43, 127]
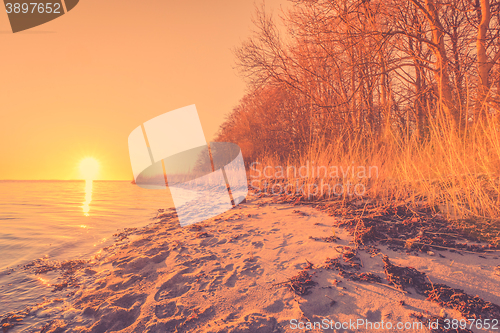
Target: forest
[408, 86]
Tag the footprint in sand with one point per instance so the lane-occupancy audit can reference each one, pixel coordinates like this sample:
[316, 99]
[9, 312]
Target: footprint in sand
[128, 300]
[165, 310]
[126, 282]
[258, 244]
[176, 286]
[209, 241]
[170, 291]
[231, 279]
[251, 268]
[118, 314]
[129, 264]
[254, 322]
[275, 307]
[215, 282]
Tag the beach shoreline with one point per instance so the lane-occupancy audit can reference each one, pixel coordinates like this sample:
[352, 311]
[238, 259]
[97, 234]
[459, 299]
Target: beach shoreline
[261, 267]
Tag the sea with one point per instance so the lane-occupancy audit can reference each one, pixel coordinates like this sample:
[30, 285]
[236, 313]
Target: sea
[63, 220]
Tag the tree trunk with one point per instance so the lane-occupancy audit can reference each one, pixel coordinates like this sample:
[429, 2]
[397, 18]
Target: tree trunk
[483, 65]
[441, 65]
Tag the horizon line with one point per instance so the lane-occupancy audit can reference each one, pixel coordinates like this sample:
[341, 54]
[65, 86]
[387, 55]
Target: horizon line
[68, 180]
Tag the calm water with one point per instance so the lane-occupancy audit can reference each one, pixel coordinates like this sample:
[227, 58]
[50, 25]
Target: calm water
[63, 220]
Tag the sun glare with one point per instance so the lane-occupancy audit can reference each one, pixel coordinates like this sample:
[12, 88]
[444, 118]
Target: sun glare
[89, 168]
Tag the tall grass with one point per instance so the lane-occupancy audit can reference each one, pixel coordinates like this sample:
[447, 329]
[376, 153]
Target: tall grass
[455, 170]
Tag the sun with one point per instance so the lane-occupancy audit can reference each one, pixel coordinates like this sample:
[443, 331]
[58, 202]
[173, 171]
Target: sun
[89, 168]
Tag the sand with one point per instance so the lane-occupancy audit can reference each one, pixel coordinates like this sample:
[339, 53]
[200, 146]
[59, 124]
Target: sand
[230, 273]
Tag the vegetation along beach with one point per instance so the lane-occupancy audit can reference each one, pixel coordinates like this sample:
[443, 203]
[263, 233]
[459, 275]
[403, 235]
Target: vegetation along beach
[370, 134]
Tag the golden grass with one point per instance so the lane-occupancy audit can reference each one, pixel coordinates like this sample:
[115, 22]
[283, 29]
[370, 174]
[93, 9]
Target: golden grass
[456, 171]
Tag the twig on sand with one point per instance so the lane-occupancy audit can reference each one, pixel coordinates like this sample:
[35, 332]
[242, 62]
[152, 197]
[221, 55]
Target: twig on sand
[391, 287]
[445, 234]
[443, 247]
[356, 244]
[432, 284]
[279, 283]
[332, 303]
[341, 247]
[300, 283]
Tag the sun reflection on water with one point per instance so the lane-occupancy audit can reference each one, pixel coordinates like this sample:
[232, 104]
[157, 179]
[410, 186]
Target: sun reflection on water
[88, 197]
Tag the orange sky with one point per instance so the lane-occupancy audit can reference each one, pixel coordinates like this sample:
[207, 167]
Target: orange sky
[77, 86]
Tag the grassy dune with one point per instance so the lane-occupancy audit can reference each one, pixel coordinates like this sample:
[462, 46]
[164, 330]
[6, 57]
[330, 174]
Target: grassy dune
[454, 171]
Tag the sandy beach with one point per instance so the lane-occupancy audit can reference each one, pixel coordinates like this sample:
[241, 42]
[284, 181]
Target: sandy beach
[250, 166]
[261, 267]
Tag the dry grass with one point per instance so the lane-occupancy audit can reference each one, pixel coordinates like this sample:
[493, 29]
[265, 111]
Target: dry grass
[456, 171]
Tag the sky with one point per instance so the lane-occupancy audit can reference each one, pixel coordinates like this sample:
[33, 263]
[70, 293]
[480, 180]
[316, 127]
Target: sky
[77, 86]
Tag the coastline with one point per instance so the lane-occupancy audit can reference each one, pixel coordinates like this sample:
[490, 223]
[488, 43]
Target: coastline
[242, 272]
